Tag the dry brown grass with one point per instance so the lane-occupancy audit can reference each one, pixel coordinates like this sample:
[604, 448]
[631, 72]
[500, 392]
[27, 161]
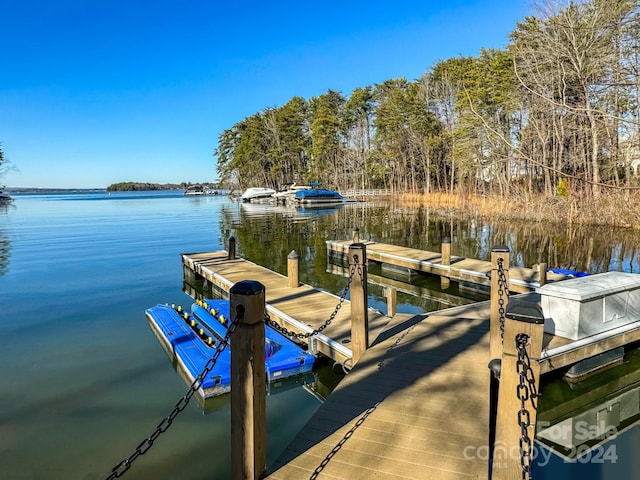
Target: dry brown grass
[619, 209]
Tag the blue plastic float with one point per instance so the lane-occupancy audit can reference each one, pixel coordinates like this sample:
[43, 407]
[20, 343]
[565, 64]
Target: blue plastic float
[191, 338]
[565, 271]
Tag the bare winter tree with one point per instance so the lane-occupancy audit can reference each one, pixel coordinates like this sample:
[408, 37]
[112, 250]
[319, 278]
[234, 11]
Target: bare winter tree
[575, 66]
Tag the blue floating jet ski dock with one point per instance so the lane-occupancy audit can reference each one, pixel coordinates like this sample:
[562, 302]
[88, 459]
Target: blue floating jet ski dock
[191, 339]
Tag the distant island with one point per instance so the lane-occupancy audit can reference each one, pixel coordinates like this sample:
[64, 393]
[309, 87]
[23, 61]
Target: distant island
[143, 186]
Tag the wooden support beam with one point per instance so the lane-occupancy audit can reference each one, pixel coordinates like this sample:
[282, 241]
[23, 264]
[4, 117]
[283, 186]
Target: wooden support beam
[248, 380]
[517, 396]
[445, 252]
[359, 301]
[499, 297]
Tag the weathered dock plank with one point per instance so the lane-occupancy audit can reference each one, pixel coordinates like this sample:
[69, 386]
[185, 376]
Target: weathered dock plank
[521, 280]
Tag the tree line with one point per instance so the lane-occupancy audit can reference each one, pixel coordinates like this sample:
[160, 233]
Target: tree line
[556, 111]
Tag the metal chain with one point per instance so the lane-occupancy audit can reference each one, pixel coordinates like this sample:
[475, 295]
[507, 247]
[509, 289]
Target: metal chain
[325, 461]
[300, 335]
[164, 425]
[525, 390]
[503, 290]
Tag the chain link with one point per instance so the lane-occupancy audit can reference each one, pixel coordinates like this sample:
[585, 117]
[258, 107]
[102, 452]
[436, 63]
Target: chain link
[301, 335]
[164, 425]
[503, 291]
[525, 390]
[325, 461]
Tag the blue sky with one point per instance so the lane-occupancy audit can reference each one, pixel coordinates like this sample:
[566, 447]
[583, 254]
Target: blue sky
[94, 93]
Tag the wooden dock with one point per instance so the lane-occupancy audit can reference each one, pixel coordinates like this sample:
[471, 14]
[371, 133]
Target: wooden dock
[460, 269]
[300, 309]
[416, 404]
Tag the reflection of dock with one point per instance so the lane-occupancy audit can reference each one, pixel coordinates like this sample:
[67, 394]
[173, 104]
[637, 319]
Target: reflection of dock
[461, 269]
[578, 419]
[295, 212]
[442, 298]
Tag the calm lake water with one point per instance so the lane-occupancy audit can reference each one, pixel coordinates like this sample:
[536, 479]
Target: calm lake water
[83, 378]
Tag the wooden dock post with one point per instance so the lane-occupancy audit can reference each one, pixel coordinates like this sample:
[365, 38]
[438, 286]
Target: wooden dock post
[392, 300]
[445, 251]
[355, 235]
[517, 398]
[188, 275]
[232, 248]
[248, 380]
[499, 298]
[359, 301]
[293, 269]
[542, 273]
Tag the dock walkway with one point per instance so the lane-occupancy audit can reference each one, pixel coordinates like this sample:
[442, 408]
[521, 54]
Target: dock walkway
[461, 269]
[300, 309]
[415, 406]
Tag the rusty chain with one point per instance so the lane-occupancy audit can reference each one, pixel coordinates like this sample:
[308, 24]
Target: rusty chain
[525, 390]
[164, 425]
[300, 335]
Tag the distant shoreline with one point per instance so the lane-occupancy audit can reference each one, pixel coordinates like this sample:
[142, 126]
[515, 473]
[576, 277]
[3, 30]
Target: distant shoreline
[51, 190]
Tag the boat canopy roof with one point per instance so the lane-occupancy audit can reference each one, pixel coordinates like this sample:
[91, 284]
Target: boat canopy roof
[317, 193]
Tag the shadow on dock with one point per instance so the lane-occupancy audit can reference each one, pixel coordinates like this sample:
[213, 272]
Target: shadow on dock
[426, 375]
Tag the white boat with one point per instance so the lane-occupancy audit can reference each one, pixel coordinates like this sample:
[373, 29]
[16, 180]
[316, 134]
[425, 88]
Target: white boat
[289, 193]
[4, 195]
[194, 190]
[257, 193]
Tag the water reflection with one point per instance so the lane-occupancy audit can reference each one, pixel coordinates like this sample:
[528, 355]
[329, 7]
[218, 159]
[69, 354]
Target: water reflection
[266, 234]
[580, 421]
[318, 385]
[422, 291]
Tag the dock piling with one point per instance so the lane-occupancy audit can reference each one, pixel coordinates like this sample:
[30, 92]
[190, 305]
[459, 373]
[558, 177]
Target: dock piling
[445, 251]
[542, 273]
[248, 377]
[518, 391]
[359, 301]
[392, 300]
[499, 298]
[355, 235]
[293, 269]
[232, 248]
